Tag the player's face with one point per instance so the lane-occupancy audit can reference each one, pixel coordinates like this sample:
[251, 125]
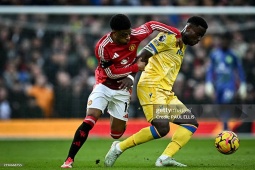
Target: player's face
[193, 34]
[122, 37]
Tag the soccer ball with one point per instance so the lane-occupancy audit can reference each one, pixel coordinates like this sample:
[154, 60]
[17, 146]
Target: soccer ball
[227, 142]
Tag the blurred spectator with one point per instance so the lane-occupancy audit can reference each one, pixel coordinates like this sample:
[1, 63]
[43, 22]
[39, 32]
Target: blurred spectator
[43, 94]
[18, 100]
[63, 95]
[5, 109]
[31, 109]
[221, 77]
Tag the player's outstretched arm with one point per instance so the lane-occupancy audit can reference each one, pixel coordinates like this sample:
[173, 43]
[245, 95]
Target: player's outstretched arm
[116, 73]
[158, 26]
[143, 58]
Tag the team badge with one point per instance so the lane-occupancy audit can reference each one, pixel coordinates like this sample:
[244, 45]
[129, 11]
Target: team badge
[132, 47]
[89, 102]
[162, 38]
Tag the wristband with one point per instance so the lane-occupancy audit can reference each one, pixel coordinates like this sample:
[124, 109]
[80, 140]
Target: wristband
[131, 77]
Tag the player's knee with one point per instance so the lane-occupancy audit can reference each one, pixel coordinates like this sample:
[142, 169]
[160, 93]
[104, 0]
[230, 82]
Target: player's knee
[163, 131]
[116, 135]
[162, 127]
[186, 118]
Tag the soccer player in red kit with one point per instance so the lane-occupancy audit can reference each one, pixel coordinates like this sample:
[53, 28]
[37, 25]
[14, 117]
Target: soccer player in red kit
[116, 53]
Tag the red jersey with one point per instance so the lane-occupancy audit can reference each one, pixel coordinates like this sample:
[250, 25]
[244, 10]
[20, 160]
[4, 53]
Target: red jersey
[123, 56]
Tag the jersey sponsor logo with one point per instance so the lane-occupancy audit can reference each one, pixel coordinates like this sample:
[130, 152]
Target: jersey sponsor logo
[132, 47]
[89, 102]
[124, 61]
[115, 56]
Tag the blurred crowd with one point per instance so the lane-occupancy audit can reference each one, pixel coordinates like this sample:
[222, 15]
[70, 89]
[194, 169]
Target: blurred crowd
[47, 62]
[131, 2]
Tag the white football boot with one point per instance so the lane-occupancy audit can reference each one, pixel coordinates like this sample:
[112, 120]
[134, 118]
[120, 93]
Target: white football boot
[112, 155]
[168, 162]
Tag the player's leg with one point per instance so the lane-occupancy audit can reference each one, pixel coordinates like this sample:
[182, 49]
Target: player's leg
[118, 109]
[117, 148]
[118, 127]
[97, 102]
[225, 98]
[148, 98]
[187, 126]
[144, 135]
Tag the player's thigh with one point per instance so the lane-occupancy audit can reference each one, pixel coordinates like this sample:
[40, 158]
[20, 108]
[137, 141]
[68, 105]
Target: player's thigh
[151, 99]
[119, 104]
[98, 100]
[176, 109]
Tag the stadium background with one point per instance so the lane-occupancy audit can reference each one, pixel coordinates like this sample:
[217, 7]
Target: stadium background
[59, 49]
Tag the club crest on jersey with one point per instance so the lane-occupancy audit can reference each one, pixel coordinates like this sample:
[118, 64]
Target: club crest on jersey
[132, 47]
[162, 38]
[89, 102]
[124, 61]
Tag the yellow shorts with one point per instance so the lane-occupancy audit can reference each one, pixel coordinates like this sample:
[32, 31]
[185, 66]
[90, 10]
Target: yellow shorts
[159, 103]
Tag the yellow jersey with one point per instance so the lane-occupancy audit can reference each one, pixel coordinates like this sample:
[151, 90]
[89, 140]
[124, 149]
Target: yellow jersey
[163, 67]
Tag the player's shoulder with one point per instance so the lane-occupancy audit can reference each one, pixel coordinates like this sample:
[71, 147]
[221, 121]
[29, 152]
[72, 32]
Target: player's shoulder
[165, 38]
[105, 40]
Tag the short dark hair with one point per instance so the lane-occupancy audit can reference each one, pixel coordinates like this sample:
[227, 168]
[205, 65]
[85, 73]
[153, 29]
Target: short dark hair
[120, 22]
[198, 21]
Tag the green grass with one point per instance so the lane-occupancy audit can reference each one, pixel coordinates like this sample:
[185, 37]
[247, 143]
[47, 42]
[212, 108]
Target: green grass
[49, 154]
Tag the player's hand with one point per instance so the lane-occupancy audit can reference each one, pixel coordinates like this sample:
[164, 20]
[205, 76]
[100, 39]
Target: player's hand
[242, 91]
[179, 42]
[126, 83]
[141, 64]
[105, 64]
[209, 89]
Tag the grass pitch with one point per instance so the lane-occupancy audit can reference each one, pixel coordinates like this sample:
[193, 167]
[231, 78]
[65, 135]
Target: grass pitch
[198, 154]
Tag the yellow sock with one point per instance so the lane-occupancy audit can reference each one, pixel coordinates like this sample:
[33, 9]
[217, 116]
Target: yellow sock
[180, 138]
[144, 135]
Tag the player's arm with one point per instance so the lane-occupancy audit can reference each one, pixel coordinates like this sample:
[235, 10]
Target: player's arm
[162, 42]
[239, 69]
[242, 88]
[107, 64]
[116, 73]
[144, 55]
[158, 26]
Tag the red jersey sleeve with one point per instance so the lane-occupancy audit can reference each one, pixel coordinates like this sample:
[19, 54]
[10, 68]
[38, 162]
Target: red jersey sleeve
[146, 29]
[111, 71]
[154, 25]
[115, 73]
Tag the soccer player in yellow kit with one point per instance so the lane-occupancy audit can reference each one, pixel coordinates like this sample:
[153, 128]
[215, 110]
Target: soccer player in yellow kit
[159, 103]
